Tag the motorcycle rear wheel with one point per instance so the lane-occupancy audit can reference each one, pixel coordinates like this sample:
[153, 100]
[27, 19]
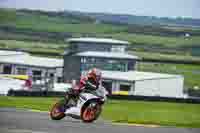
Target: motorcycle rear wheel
[57, 111]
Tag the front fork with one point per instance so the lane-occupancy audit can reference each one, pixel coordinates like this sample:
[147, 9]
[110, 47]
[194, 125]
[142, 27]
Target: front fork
[70, 101]
[63, 105]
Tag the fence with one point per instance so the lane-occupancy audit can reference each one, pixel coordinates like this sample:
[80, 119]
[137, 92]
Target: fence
[42, 83]
[117, 97]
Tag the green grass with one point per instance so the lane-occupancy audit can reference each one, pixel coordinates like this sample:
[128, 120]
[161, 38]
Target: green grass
[74, 28]
[43, 104]
[30, 44]
[161, 113]
[170, 42]
[41, 22]
[164, 56]
[33, 46]
[7, 16]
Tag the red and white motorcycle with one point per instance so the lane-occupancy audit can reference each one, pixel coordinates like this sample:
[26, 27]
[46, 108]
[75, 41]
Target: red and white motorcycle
[87, 106]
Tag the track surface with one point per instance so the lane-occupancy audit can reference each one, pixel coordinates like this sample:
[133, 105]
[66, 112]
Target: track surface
[21, 121]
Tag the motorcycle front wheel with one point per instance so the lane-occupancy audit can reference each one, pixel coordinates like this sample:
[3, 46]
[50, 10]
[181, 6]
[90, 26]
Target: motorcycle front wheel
[90, 112]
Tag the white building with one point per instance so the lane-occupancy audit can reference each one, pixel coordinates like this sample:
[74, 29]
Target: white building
[120, 75]
[21, 63]
[119, 68]
[144, 83]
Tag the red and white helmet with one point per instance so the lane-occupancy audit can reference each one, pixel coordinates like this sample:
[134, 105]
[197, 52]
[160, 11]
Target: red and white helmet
[95, 74]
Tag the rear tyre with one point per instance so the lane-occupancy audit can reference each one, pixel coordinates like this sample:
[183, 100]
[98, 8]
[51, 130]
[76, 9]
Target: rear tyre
[90, 112]
[58, 110]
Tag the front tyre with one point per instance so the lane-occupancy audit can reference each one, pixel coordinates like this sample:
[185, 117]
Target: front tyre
[91, 111]
[57, 112]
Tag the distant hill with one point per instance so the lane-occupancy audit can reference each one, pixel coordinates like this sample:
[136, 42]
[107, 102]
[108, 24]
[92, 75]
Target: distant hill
[95, 23]
[33, 25]
[68, 17]
[144, 33]
[141, 20]
[76, 17]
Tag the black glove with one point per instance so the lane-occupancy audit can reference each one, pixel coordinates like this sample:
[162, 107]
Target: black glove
[91, 86]
[72, 92]
[75, 92]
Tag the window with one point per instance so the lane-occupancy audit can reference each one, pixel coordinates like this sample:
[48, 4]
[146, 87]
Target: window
[125, 87]
[83, 60]
[51, 75]
[118, 48]
[21, 71]
[112, 61]
[7, 69]
[104, 64]
[60, 80]
[37, 75]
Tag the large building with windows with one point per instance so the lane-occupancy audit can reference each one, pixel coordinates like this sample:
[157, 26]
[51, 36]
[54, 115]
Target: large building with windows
[119, 68]
[106, 54]
[22, 63]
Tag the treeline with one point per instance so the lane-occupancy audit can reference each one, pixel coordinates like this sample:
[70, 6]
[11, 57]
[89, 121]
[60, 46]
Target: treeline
[74, 18]
[9, 32]
[144, 20]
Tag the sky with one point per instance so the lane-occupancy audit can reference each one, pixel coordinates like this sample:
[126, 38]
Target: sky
[160, 8]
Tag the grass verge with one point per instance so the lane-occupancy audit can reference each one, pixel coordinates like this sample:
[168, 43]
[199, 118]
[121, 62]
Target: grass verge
[159, 113]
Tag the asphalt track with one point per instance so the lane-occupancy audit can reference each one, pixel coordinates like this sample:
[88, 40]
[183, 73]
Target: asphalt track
[22, 121]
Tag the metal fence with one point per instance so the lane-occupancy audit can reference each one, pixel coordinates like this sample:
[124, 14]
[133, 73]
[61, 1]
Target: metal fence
[42, 83]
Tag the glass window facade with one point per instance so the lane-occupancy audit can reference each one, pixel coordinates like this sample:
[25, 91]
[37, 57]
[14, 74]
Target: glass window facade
[118, 48]
[22, 71]
[125, 87]
[104, 64]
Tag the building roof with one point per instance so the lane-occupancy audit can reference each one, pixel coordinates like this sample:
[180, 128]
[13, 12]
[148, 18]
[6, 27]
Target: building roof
[98, 40]
[28, 60]
[11, 53]
[117, 55]
[135, 75]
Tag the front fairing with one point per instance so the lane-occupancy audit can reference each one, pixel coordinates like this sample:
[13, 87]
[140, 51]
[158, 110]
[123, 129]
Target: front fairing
[86, 96]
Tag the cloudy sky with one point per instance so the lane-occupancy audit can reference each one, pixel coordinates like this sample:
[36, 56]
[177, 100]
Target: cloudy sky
[161, 8]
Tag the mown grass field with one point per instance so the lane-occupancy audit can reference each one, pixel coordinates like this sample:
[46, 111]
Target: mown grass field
[30, 44]
[42, 22]
[33, 47]
[164, 56]
[164, 41]
[161, 113]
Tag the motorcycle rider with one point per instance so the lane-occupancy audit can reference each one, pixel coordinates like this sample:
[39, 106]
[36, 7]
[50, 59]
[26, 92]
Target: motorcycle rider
[91, 81]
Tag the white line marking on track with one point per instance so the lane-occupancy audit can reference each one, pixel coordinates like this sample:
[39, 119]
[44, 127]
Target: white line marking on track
[137, 125]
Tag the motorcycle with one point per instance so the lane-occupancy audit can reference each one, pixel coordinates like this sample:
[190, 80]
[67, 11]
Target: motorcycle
[87, 106]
